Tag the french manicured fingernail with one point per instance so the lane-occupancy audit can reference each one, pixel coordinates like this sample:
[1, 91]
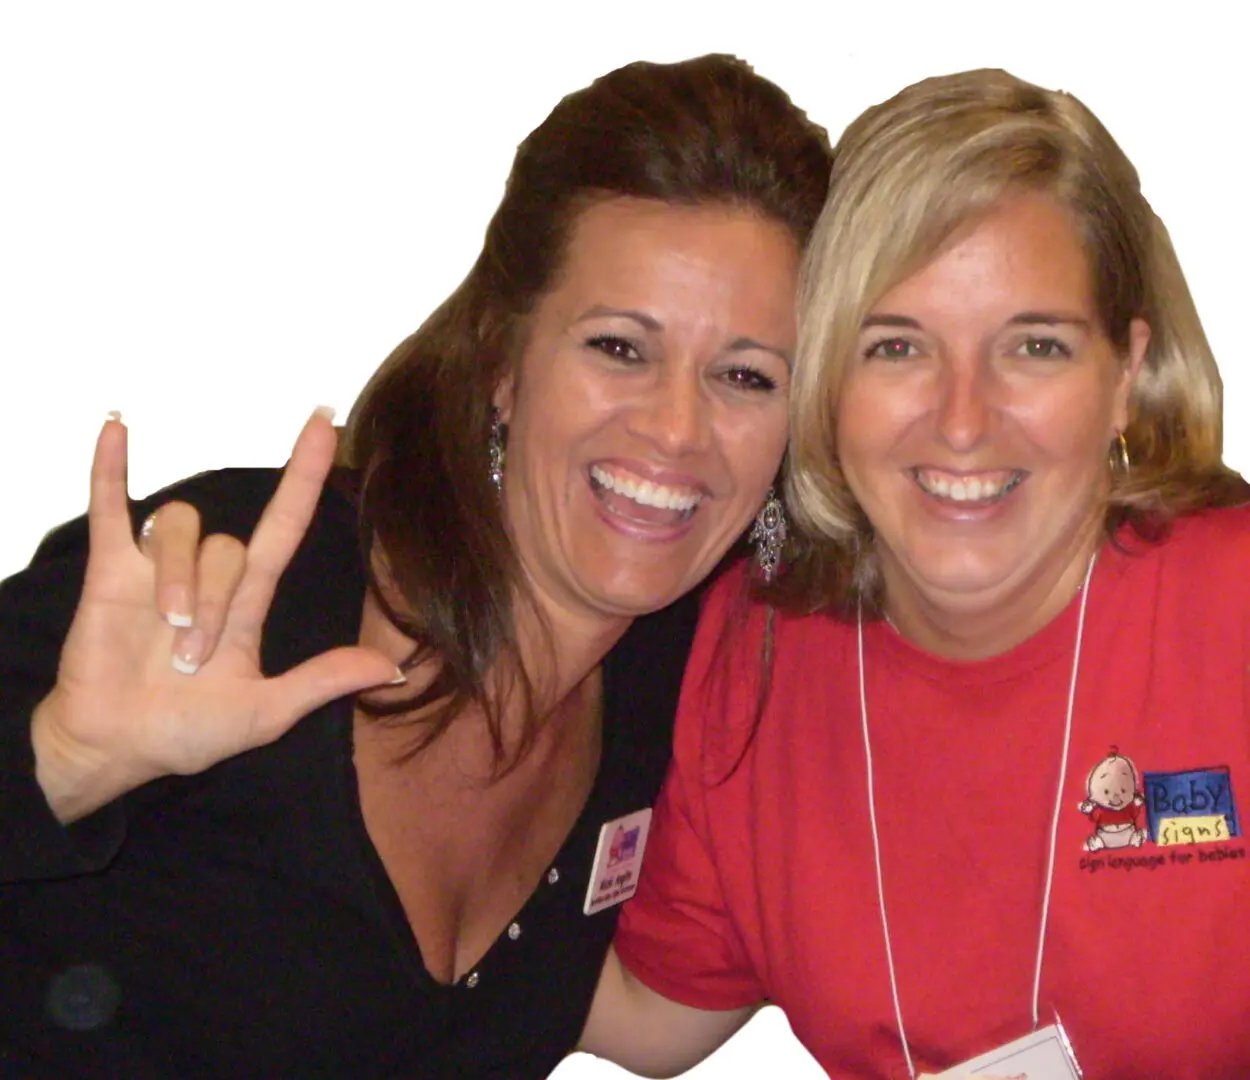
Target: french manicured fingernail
[399, 680]
[115, 415]
[187, 652]
[326, 412]
[177, 606]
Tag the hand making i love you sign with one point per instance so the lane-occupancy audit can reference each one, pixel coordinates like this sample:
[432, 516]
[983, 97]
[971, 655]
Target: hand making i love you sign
[160, 673]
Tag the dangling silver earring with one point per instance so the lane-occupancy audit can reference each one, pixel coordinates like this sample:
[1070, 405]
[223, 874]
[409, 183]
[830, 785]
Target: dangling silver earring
[496, 448]
[768, 534]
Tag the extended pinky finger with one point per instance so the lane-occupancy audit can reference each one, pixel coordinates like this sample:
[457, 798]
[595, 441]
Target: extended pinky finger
[107, 516]
[221, 563]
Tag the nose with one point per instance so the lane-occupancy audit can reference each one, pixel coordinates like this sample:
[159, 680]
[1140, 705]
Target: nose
[965, 407]
[675, 414]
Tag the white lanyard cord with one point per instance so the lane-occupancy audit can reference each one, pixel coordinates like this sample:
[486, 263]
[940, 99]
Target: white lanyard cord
[876, 841]
[1063, 774]
[1054, 825]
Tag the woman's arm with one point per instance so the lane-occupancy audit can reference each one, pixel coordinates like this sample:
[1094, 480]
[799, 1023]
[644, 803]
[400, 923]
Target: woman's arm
[647, 1033]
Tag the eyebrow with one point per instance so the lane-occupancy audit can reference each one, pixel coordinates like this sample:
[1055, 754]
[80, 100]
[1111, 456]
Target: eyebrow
[890, 320]
[1024, 318]
[599, 311]
[746, 344]
[649, 322]
[1048, 318]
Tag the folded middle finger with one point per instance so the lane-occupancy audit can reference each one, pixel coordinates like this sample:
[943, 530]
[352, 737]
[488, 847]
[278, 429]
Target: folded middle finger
[222, 562]
[171, 539]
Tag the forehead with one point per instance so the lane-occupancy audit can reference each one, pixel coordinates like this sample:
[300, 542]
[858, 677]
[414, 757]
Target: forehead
[648, 248]
[1023, 254]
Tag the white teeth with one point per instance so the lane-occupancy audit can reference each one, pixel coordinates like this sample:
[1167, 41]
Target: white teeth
[646, 492]
[968, 489]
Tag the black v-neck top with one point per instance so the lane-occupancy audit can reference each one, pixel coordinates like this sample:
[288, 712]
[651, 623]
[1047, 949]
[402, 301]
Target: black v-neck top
[239, 923]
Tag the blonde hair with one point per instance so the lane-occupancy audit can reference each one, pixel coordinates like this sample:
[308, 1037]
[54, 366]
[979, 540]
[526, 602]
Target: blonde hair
[907, 175]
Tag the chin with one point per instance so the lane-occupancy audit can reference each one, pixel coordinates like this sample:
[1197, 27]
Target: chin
[960, 575]
[634, 597]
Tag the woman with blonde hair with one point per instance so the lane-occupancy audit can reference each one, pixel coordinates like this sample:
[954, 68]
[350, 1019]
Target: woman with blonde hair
[964, 788]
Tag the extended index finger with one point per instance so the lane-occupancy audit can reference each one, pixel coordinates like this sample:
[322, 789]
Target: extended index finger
[284, 521]
[108, 513]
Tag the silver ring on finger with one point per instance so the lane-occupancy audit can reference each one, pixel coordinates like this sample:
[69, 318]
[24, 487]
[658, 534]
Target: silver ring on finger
[147, 528]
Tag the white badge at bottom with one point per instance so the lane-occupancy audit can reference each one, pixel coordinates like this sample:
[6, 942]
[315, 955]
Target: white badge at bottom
[618, 859]
[1045, 1054]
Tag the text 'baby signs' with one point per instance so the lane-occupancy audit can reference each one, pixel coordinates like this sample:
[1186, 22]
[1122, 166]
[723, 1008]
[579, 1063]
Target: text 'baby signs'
[1192, 807]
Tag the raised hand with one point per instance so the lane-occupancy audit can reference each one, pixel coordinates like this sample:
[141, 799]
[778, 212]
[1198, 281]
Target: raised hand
[160, 676]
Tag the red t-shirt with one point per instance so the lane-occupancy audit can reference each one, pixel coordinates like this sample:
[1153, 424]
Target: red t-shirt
[759, 880]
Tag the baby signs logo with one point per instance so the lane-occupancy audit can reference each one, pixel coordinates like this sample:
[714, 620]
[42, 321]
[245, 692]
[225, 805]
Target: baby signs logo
[1113, 803]
[1173, 810]
[1191, 807]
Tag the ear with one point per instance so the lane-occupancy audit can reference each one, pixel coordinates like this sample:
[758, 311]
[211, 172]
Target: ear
[1138, 342]
[504, 396]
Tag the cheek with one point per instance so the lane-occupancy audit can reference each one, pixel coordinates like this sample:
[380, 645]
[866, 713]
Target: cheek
[871, 421]
[1068, 431]
[551, 415]
[753, 447]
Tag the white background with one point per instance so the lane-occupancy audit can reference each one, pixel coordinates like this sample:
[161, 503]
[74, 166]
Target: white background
[217, 216]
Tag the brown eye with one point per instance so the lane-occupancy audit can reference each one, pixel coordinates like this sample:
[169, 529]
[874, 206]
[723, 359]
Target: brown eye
[616, 347]
[748, 378]
[1045, 349]
[890, 349]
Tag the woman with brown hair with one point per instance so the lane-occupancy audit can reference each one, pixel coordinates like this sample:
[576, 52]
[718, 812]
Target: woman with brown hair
[982, 811]
[336, 791]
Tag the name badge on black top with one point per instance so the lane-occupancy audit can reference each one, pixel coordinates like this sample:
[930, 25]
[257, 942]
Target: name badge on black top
[618, 861]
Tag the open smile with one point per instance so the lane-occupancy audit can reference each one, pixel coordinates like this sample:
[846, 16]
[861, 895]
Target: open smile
[640, 500]
[969, 488]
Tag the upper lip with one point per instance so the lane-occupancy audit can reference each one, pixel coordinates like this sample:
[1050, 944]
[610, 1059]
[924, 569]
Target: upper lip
[994, 470]
[657, 474]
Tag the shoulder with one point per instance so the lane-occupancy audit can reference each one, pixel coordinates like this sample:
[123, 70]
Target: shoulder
[741, 634]
[646, 666]
[1203, 546]
[229, 501]
[664, 630]
[642, 678]
[726, 680]
[1195, 578]
[317, 603]
[753, 669]
[1223, 530]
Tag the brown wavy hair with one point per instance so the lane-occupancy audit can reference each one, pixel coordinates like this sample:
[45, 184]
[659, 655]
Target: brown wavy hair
[703, 131]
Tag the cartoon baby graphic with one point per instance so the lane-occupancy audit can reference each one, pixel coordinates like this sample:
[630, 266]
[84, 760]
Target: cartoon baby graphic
[1114, 804]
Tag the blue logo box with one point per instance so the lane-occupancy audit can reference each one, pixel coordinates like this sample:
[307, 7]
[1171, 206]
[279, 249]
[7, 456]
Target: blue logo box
[1193, 793]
